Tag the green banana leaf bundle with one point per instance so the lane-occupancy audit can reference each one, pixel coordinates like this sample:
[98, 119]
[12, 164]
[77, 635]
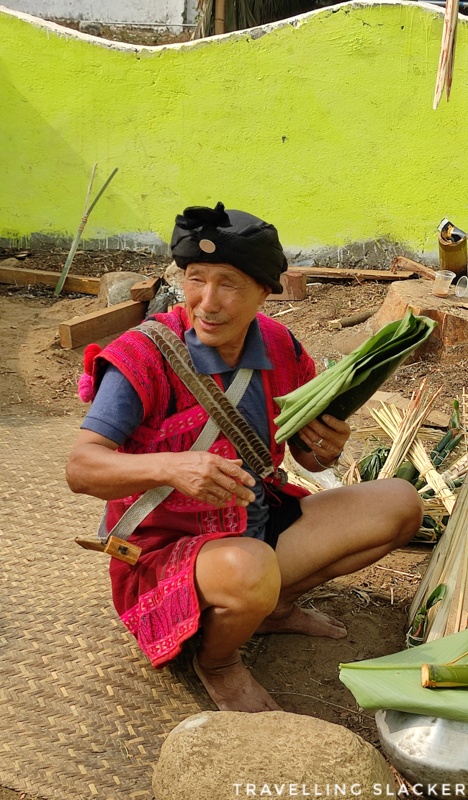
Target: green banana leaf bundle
[370, 466]
[348, 384]
[395, 681]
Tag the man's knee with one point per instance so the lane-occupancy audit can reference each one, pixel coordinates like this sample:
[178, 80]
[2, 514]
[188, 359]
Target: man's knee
[409, 509]
[254, 575]
[248, 574]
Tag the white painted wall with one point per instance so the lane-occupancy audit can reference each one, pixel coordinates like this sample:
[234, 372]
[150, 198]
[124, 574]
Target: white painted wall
[137, 12]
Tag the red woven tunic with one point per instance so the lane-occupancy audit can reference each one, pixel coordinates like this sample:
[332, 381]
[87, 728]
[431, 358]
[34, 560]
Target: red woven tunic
[156, 598]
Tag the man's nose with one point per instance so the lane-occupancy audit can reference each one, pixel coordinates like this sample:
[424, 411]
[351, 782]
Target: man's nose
[210, 298]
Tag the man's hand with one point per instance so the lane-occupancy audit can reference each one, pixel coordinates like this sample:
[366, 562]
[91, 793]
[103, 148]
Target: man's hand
[96, 468]
[210, 478]
[326, 438]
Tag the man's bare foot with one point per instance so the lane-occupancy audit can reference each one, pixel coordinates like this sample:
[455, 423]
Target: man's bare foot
[232, 688]
[303, 620]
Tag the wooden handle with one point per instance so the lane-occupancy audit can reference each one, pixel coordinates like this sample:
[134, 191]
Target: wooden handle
[90, 544]
[115, 547]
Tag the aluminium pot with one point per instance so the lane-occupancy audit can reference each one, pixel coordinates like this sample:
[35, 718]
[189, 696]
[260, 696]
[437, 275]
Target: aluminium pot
[427, 751]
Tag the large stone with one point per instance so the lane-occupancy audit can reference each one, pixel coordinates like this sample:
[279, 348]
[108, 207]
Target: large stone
[174, 276]
[226, 755]
[114, 287]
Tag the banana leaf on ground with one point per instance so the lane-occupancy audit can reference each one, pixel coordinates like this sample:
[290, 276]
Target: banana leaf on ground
[394, 682]
[348, 384]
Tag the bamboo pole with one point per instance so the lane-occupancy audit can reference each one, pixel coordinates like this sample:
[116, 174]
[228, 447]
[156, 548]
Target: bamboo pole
[439, 676]
[447, 52]
[82, 225]
[220, 14]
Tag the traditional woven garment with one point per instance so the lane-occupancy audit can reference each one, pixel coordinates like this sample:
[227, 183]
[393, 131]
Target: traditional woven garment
[156, 598]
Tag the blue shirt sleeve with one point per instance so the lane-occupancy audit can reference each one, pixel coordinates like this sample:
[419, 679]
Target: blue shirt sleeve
[116, 410]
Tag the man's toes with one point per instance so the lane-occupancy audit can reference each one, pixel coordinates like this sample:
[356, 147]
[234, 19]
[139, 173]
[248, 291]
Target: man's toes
[338, 627]
[336, 631]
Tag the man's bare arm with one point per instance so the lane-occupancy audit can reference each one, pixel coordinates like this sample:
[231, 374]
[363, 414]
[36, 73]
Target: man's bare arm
[96, 468]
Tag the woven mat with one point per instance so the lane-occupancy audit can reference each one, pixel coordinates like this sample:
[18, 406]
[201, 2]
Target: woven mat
[84, 714]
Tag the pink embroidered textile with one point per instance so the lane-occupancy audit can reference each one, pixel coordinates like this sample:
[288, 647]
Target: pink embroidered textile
[156, 598]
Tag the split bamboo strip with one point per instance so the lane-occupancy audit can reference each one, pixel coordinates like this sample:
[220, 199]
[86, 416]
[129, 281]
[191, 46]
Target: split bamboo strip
[352, 475]
[433, 478]
[457, 469]
[434, 507]
[456, 615]
[300, 476]
[443, 557]
[453, 577]
[403, 429]
[451, 612]
[390, 419]
[464, 417]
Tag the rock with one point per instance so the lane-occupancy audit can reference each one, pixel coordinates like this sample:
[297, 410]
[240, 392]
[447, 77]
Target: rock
[10, 262]
[161, 301]
[222, 755]
[92, 28]
[174, 276]
[114, 287]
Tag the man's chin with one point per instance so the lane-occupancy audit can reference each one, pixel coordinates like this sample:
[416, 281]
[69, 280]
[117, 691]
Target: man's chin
[208, 334]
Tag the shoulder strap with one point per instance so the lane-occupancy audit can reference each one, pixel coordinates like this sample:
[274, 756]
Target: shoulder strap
[148, 501]
[249, 446]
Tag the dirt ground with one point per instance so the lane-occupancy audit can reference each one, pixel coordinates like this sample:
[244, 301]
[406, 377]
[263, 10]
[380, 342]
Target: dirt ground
[36, 373]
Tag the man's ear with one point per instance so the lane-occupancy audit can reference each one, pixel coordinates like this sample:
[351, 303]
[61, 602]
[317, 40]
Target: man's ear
[267, 290]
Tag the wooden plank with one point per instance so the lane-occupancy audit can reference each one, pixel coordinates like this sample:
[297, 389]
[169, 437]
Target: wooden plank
[98, 324]
[294, 285]
[338, 273]
[145, 290]
[403, 263]
[434, 418]
[17, 276]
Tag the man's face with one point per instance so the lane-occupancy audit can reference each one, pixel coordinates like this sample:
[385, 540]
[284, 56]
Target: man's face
[221, 303]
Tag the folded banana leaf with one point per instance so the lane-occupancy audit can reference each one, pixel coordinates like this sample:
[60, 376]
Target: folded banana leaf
[395, 681]
[348, 384]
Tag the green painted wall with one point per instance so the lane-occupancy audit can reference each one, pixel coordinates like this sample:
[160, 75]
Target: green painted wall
[324, 127]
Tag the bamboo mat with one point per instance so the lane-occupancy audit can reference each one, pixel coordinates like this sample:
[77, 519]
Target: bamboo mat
[83, 712]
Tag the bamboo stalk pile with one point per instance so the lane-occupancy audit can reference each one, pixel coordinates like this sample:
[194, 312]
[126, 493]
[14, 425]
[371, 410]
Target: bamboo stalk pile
[402, 439]
[448, 566]
[447, 573]
[403, 430]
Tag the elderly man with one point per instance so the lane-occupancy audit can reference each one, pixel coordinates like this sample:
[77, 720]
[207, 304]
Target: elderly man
[226, 553]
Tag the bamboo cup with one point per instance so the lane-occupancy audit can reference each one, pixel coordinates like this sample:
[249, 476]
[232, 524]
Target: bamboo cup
[453, 256]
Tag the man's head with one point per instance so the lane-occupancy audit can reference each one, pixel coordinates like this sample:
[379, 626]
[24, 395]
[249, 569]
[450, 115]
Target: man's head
[216, 236]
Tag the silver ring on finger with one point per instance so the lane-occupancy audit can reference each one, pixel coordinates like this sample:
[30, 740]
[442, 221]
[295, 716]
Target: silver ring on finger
[319, 442]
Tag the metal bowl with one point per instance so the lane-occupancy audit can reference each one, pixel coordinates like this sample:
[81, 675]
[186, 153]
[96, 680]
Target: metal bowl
[428, 751]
